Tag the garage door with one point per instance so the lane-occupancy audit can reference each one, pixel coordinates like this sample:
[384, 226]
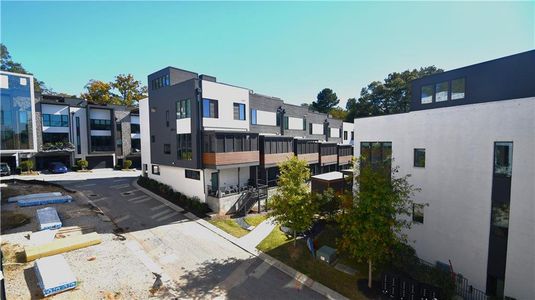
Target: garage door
[99, 162]
[42, 162]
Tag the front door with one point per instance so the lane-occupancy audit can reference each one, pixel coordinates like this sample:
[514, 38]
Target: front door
[214, 181]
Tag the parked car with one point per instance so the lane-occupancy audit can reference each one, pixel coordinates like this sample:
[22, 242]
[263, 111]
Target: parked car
[5, 170]
[57, 168]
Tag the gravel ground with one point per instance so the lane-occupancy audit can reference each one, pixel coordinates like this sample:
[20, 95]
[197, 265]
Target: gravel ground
[105, 271]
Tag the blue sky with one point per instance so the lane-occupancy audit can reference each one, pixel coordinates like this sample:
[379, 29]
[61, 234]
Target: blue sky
[289, 50]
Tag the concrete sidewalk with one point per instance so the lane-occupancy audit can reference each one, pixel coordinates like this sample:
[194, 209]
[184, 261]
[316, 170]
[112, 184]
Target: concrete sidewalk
[259, 233]
[74, 176]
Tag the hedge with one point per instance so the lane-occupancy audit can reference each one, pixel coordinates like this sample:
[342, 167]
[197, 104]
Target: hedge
[193, 205]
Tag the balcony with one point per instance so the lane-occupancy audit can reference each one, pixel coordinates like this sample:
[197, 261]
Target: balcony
[230, 149]
[328, 154]
[307, 150]
[275, 149]
[345, 154]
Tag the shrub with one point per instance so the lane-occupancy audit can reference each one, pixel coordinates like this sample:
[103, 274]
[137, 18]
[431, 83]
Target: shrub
[26, 165]
[127, 164]
[82, 164]
[193, 205]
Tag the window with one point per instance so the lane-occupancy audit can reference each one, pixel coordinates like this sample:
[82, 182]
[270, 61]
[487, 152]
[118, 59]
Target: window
[278, 119]
[286, 123]
[427, 94]
[304, 124]
[352, 135]
[309, 128]
[184, 149]
[210, 108]
[253, 116]
[155, 169]
[55, 137]
[160, 82]
[99, 124]
[418, 213]
[239, 111]
[167, 118]
[419, 158]
[102, 143]
[503, 159]
[166, 149]
[78, 139]
[345, 134]
[134, 128]
[55, 120]
[457, 89]
[152, 139]
[441, 91]
[378, 154]
[135, 145]
[192, 174]
[183, 109]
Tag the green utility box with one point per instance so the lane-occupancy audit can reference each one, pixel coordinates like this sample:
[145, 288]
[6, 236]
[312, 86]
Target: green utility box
[326, 254]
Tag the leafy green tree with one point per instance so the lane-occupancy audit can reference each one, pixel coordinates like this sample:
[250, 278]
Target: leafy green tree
[391, 96]
[26, 164]
[130, 90]
[99, 92]
[328, 203]
[326, 100]
[82, 164]
[7, 64]
[375, 225]
[291, 206]
[338, 113]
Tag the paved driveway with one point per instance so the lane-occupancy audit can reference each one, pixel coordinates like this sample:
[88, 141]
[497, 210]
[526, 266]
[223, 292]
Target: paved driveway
[192, 259]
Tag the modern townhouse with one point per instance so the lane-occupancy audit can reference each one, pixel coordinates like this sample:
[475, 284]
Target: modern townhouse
[469, 143]
[52, 128]
[222, 143]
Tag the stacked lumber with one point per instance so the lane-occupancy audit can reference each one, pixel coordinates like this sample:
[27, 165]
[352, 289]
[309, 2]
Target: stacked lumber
[59, 246]
[33, 196]
[54, 275]
[44, 200]
[48, 218]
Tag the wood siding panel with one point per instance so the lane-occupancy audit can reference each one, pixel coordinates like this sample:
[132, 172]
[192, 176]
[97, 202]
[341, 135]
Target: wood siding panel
[269, 159]
[344, 160]
[329, 159]
[309, 157]
[229, 158]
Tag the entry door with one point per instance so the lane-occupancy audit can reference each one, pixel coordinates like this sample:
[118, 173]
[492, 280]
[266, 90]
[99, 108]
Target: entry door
[214, 181]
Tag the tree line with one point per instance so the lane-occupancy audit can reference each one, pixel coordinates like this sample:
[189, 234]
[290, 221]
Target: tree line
[123, 90]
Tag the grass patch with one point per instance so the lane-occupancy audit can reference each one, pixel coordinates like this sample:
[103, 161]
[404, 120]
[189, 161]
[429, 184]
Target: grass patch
[230, 227]
[255, 220]
[11, 219]
[299, 257]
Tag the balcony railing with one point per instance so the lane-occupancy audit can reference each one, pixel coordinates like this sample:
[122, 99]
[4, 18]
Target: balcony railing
[227, 190]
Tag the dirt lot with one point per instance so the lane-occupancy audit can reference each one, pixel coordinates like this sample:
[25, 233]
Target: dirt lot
[105, 271]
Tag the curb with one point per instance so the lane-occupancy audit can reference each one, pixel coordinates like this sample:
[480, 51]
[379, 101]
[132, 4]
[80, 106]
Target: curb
[298, 276]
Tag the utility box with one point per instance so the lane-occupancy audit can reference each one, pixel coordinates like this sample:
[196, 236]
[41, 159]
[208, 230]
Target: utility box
[326, 254]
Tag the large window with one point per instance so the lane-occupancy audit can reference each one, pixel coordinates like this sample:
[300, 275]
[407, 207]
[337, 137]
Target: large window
[136, 145]
[376, 154]
[503, 158]
[100, 124]
[15, 112]
[273, 146]
[102, 143]
[345, 151]
[239, 111]
[134, 128]
[184, 149]
[441, 91]
[160, 82]
[210, 108]
[253, 116]
[183, 109]
[419, 158]
[328, 150]
[237, 142]
[427, 94]
[457, 89]
[55, 137]
[192, 174]
[305, 147]
[55, 120]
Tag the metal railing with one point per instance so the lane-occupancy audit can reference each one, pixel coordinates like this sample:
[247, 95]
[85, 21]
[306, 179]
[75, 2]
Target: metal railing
[227, 190]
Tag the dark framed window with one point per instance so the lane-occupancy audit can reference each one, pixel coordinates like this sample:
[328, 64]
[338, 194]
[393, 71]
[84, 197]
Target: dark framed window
[167, 118]
[166, 148]
[426, 95]
[184, 149]
[152, 138]
[457, 89]
[419, 157]
[239, 111]
[345, 134]
[441, 91]
[418, 213]
[210, 108]
[155, 169]
[278, 121]
[352, 135]
[78, 138]
[309, 128]
[253, 116]
[304, 124]
[192, 174]
[102, 143]
[55, 137]
[503, 159]
[100, 124]
[183, 109]
[134, 128]
[286, 122]
[55, 120]
[378, 155]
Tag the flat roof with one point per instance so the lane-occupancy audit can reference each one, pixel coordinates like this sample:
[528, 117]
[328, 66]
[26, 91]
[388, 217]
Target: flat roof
[329, 176]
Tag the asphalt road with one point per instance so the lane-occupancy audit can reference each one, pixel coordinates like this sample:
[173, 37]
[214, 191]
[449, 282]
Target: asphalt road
[196, 261]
